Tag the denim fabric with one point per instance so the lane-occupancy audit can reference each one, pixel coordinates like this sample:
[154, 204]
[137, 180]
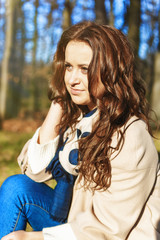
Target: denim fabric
[23, 200]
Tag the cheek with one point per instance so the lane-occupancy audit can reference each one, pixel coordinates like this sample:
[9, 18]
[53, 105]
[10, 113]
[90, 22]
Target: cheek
[85, 82]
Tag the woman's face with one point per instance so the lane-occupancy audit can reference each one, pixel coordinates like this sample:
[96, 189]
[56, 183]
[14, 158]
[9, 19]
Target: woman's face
[78, 56]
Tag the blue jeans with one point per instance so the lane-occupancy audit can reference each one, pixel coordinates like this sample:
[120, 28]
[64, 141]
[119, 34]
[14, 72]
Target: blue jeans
[23, 200]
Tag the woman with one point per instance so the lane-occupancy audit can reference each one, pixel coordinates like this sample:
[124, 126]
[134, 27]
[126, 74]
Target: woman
[96, 137]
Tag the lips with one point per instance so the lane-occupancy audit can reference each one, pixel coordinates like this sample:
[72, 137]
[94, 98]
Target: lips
[75, 91]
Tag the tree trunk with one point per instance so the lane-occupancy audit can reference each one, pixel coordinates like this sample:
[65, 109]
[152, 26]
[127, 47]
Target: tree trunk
[16, 62]
[159, 30]
[35, 85]
[67, 12]
[22, 49]
[156, 86]
[6, 58]
[111, 14]
[100, 10]
[134, 21]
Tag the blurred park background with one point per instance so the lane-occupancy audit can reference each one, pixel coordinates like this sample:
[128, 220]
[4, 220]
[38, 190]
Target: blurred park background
[29, 32]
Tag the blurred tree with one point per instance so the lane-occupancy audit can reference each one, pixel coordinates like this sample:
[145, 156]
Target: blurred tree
[134, 22]
[100, 11]
[111, 14]
[22, 51]
[35, 85]
[155, 101]
[10, 8]
[2, 29]
[67, 13]
[155, 93]
[158, 48]
[50, 21]
[16, 61]
[150, 60]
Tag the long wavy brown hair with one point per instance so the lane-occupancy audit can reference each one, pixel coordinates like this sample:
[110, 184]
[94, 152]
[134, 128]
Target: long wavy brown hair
[114, 64]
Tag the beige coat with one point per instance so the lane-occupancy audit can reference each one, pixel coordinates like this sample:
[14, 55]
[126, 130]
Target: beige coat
[130, 208]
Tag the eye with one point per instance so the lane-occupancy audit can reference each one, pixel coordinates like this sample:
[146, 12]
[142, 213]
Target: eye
[84, 70]
[68, 67]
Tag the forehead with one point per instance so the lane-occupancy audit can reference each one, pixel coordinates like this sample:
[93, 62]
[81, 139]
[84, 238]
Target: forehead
[78, 51]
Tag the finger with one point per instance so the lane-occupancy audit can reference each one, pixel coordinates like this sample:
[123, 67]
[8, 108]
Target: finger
[8, 237]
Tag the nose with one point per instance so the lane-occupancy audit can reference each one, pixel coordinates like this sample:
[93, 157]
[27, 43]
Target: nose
[74, 78]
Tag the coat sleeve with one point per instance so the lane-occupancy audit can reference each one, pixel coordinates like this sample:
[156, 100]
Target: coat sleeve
[112, 214]
[34, 158]
[61, 232]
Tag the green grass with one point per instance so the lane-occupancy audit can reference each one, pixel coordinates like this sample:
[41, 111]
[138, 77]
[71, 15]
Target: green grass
[11, 144]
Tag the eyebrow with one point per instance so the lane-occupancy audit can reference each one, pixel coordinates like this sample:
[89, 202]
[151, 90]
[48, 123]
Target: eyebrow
[79, 65]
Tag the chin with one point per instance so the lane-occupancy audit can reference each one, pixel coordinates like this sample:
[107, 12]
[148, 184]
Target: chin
[78, 102]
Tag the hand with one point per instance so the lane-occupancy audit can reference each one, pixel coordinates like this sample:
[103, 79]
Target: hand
[18, 235]
[49, 129]
[22, 235]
